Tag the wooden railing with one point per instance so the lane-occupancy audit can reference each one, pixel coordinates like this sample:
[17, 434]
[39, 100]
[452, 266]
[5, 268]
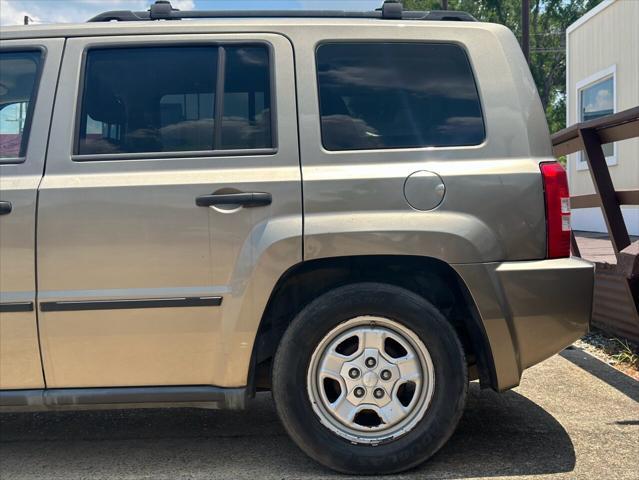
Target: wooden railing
[589, 138]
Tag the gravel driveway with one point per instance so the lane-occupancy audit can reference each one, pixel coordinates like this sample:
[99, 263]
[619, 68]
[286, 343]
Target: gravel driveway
[572, 417]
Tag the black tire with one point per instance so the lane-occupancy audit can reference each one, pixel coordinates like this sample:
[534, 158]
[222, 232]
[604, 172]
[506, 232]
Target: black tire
[309, 327]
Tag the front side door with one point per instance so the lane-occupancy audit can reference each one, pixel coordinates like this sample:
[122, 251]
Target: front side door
[28, 74]
[164, 165]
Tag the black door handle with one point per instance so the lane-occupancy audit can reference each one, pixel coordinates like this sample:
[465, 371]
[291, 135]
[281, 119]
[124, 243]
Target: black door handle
[5, 208]
[248, 199]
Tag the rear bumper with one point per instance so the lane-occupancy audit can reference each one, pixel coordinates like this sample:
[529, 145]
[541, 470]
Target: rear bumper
[530, 310]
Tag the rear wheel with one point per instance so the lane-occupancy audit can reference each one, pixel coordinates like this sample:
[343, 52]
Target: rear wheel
[370, 378]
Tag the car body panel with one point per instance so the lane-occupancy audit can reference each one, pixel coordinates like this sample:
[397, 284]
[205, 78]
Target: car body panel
[354, 201]
[20, 365]
[530, 310]
[129, 229]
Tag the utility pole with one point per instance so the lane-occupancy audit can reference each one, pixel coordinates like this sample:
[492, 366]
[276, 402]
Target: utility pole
[444, 4]
[525, 28]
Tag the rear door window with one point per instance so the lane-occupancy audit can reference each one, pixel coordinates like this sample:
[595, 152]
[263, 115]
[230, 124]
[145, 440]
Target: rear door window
[397, 95]
[18, 81]
[175, 99]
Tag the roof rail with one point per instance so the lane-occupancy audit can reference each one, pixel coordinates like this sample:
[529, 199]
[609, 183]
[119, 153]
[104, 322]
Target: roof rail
[390, 10]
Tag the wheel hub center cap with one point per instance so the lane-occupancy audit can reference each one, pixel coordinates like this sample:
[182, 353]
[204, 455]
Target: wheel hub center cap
[370, 379]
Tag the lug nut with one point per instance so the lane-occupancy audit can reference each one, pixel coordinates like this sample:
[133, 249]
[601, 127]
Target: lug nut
[370, 362]
[353, 373]
[359, 392]
[386, 375]
[378, 393]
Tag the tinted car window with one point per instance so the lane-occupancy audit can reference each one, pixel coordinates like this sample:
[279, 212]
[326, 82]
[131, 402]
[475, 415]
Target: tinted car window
[397, 95]
[18, 76]
[163, 99]
[246, 122]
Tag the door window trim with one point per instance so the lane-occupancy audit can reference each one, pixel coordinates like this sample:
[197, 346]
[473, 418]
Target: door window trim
[219, 104]
[24, 141]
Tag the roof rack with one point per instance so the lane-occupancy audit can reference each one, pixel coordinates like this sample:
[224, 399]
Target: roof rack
[390, 10]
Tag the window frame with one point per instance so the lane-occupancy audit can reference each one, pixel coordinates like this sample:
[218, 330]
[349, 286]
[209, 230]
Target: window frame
[580, 86]
[459, 45]
[24, 141]
[218, 111]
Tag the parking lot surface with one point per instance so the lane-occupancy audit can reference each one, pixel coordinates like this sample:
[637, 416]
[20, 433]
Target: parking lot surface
[573, 417]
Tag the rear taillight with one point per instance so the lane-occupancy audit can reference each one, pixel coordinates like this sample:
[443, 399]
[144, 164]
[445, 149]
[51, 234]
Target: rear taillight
[557, 210]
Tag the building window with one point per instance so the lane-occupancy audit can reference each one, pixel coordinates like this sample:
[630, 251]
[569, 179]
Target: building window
[595, 99]
[397, 95]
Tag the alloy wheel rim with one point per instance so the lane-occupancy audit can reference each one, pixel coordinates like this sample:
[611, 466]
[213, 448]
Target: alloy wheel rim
[370, 380]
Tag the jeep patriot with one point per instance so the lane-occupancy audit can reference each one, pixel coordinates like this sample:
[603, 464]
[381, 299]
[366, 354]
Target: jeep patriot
[359, 211]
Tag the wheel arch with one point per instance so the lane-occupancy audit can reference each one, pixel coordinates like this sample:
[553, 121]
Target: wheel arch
[428, 277]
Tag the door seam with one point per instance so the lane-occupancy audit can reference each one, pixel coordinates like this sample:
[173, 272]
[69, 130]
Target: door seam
[37, 212]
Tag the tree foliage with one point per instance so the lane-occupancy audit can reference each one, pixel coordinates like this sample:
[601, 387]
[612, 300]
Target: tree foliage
[548, 22]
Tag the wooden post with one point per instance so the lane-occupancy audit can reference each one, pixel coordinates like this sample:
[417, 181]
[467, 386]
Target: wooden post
[605, 189]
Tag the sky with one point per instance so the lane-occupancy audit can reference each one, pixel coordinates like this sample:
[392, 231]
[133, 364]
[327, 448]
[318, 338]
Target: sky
[12, 12]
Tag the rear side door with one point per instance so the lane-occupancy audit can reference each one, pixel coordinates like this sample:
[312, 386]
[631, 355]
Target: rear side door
[165, 171]
[28, 75]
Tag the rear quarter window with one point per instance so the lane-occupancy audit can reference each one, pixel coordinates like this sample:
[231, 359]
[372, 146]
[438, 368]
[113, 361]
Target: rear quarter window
[397, 95]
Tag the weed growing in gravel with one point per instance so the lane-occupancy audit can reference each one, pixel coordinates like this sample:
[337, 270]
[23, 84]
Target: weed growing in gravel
[626, 354]
[616, 352]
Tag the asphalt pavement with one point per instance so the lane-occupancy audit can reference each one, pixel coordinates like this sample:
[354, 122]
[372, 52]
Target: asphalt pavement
[573, 417]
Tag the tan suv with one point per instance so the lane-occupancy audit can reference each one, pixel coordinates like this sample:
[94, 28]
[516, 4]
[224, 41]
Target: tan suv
[358, 211]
